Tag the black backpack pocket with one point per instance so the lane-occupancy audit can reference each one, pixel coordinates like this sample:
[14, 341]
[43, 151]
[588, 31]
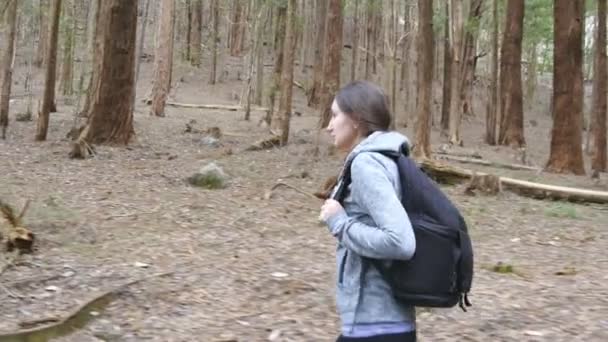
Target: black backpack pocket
[430, 277]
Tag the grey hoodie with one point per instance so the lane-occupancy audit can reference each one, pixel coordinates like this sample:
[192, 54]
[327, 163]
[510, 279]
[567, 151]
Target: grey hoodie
[373, 224]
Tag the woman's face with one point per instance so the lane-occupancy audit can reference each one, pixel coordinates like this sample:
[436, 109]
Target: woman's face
[342, 129]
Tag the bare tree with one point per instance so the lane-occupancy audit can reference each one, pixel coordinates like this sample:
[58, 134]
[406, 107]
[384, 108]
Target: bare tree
[287, 74]
[142, 37]
[110, 117]
[314, 95]
[492, 109]
[49, 83]
[6, 63]
[163, 60]
[355, 44]
[425, 44]
[279, 41]
[447, 73]
[566, 154]
[598, 162]
[43, 35]
[214, 39]
[333, 51]
[456, 38]
[511, 107]
[197, 27]
[67, 71]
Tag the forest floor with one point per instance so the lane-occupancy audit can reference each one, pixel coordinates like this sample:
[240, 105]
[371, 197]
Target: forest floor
[251, 267]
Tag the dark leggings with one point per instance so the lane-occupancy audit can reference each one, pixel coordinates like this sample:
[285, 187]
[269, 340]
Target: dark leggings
[402, 337]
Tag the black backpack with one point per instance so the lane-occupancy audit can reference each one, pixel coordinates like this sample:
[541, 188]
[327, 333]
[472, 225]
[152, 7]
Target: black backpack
[441, 271]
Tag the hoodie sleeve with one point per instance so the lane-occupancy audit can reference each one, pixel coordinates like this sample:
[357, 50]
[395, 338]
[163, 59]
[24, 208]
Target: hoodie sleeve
[391, 236]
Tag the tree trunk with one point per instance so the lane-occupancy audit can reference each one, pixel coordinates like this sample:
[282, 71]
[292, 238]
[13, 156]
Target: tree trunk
[189, 28]
[566, 137]
[111, 112]
[600, 78]
[355, 43]
[49, 83]
[67, 72]
[404, 86]
[314, 95]
[279, 41]
[492, 109]
[6, 63]
[287, 74]
[259, 56]
[333, 52]
[255, 46]
[163, 60]
[43, 33]
[195, 36]
[142, 37]
[93, 47]
[469, 57]
[369, 30]
[238, 28]
[425, 45]
[531, 76]
[304, 34]
[511, 108]
[214, 40]
[456, 33]
[447, 74]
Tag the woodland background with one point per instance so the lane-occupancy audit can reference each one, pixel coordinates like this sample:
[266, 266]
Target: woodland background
[184, 136]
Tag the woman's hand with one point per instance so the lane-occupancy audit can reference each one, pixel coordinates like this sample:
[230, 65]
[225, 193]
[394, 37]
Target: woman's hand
[329, 209]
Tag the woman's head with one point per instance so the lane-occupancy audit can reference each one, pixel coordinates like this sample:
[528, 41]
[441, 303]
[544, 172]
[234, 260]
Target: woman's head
[359, 109]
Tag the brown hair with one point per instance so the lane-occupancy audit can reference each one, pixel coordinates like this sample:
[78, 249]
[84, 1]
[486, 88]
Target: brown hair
[365, 103]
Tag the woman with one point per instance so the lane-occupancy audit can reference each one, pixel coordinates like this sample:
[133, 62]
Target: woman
[372, 222]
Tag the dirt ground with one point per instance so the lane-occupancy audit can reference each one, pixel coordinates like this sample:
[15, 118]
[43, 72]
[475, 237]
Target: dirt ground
[251, 267]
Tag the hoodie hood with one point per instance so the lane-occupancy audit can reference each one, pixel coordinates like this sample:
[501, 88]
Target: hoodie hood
[381, 141]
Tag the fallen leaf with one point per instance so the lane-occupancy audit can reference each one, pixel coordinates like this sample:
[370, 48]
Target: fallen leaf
[274, 335]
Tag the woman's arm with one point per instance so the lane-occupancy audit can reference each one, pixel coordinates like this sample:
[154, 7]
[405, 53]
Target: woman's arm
[392, 236]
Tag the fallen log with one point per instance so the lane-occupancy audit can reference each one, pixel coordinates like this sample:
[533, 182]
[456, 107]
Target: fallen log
[448, 174]
[233, 108]
[488, 163]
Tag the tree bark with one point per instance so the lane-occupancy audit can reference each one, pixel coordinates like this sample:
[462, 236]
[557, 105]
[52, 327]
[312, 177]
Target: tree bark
[598, 161]
[512, 116]
[67, 72]
[259, 56]
[163, 60]
[6, 63]
[314, 95]
[279, 41]
[492, 109]
[566, 154]
[238, 28]
[287, 74]
[195, 36]
[355, 43]
[111, 112]
[49, 83]
[43, 34]
[93, 47]
[456, 35]
[425, 45]
[333, 52]
[214, 40]
[531, 76]
[369, 30]
[447, 74]
[142, 36]
[469, 56]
